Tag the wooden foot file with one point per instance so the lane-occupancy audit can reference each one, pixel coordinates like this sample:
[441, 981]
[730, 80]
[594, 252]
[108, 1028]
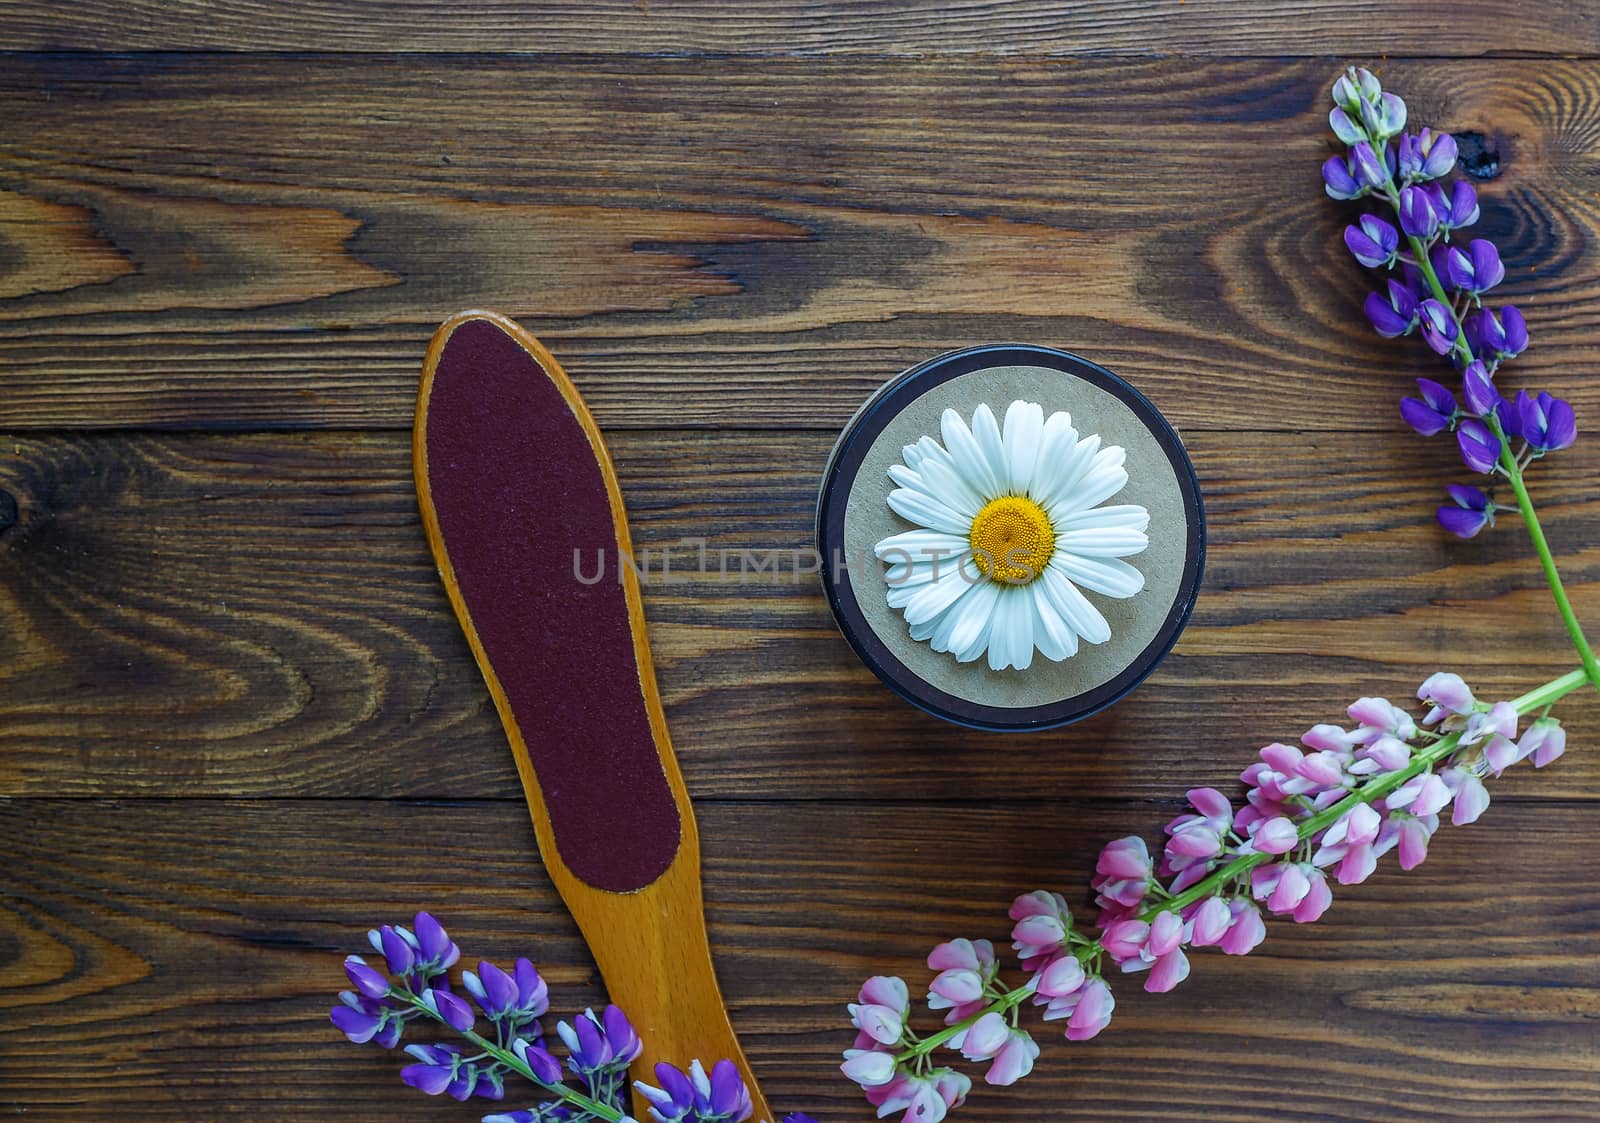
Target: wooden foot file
[521, 505]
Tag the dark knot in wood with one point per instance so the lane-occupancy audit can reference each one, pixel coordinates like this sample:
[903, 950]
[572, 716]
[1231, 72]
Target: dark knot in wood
[1479, 155]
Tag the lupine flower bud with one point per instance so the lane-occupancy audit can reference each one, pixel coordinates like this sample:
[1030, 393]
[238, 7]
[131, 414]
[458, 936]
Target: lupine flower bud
[545, 1067]
[1471, 511]
[366, 980]
[1427, 155]
[1347, 92]
[1395, 315]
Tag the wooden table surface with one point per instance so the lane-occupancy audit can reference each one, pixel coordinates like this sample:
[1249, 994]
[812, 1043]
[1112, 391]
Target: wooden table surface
[239, 725]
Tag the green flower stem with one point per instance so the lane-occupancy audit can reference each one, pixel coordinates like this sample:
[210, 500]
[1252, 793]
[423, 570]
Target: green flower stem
[515, 1064]
[1513, 473]
[1534, 700]
[1005, 1003]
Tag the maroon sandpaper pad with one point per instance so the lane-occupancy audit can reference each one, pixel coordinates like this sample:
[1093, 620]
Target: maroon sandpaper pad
[519, 491]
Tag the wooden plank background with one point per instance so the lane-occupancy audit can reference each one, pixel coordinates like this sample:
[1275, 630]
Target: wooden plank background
[238, 724]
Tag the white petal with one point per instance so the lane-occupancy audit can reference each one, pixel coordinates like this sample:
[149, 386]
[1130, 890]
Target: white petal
[1101, 543]
[986, 431]
[1109, 576]
[1125, 516]
[1011, 643]
[1064, 479]
[925, 602]
[921, 545]
[1104, 479]
[912, 455]
[917, 507]
[968, 457]
[971, 627]
[907, 477]
[1053, 635]
[1023, 433]
[903, 573]
[944, 483]
[1074, 607]
[1056, 443]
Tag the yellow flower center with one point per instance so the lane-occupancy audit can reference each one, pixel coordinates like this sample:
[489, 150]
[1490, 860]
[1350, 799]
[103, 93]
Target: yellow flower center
[1012, 539]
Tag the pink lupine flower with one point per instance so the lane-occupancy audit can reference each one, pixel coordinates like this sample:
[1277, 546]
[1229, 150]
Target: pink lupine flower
[951, 1085]
[1500, 718]
[1211, 808]
[1123, 939]
[1092, 1013]
[1385, 754]
[869, 1068]
[1282, 885]
[1423, 794]
[984, 1038]
[1379, 716]
[1122, 873]
[1163, 954]
[1470, 799]
[966, 968]
[918, 1096]
[1041, 929]
[1325, 769]
[1245, 931]
[1014, 1061]
[881, 1012]
[1212, 918]
[1062, 977]
[1317, 899]
[1274, 836]
[1545, 741]
[1448, 696]
[1500, 753]
[1413, 838]
[1331, 738]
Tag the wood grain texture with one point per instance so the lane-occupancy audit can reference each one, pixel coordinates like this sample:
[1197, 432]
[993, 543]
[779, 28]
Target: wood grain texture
[831, 27]
[258, 615]
[141, 985]
[269, 241]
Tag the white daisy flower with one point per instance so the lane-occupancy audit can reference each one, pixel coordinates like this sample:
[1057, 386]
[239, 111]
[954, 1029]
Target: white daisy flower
[1011, 533]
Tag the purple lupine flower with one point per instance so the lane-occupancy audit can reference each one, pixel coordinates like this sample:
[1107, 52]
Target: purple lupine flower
[1471, 511]
[1476, 269]
[1458, 209]
[452, 1009]
[1478, 389]
[1438, 326]
[1396, 315]
[597, 1042]
[369, 982]
[1368, 167]
[721, 1096]
[518, 998]
[1345, 127]
[439, 1069]
[1545, 741]
[1418, 218]
[1498, 336]
[436, 951]
[1545, 422]
[1374, 242]
[363, 1019]
[540, 1061]
[398, 952]
[1339, 179]
[1426, 155]
[1480, 448]
[1433, 413]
